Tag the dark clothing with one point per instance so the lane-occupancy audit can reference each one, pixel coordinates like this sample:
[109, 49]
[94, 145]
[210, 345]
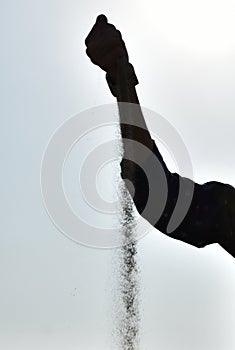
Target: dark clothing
[211, 214]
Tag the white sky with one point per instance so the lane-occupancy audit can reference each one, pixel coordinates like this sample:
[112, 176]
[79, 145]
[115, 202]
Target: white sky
[56, 294]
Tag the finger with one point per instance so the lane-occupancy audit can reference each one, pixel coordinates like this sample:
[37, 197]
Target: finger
[100, 27]
[101, 21]
[109, 38]
[108, 61]
[98, 50]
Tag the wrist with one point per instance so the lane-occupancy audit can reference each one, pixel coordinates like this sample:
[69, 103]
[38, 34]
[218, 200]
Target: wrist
[112, 79]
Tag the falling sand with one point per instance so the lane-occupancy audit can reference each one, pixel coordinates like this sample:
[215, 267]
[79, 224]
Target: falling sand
[128, 332]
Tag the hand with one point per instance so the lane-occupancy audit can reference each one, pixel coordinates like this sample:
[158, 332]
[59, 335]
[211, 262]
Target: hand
[105, 46]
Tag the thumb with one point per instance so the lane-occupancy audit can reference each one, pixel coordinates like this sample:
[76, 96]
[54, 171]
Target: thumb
[101, 19]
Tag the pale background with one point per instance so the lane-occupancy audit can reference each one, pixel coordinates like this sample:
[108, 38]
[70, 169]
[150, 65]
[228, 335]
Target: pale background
[56, 294]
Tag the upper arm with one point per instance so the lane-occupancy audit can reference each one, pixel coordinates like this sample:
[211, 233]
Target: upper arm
[211, 214]
[224, 220]
[210, 218]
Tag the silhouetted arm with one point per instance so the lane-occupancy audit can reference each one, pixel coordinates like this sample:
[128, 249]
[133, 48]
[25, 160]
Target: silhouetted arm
[211, 214]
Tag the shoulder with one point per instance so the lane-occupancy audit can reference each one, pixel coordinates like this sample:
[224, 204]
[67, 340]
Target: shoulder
[211, 215]
[218, 199]
[221, 193]
[222, 197]
[217, 185]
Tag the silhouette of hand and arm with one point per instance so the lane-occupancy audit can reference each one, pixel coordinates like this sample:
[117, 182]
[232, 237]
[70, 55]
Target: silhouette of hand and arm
[211, 215]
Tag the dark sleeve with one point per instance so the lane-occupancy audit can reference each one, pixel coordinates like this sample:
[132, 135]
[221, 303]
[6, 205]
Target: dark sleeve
[210, 215]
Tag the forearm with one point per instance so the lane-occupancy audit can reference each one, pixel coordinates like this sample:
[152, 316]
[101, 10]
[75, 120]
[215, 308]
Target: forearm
[136, 129]
[197, 227]
[132, 122]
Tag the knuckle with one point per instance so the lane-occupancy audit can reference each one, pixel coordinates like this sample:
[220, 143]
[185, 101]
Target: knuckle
[92, 55]
[88, 52]
[87, 41]
[111, 26]
[119, 34]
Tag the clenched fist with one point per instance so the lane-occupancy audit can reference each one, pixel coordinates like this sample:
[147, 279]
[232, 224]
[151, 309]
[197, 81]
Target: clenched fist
[105, 46]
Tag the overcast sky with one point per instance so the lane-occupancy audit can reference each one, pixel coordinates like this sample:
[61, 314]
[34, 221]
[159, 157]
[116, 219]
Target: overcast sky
[56, 294]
